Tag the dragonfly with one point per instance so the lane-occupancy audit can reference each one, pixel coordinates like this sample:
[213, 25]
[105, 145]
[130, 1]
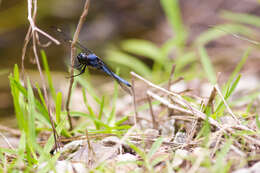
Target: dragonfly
[87, 58]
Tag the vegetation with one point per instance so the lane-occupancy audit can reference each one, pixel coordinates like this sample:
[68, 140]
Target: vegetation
[219, 134]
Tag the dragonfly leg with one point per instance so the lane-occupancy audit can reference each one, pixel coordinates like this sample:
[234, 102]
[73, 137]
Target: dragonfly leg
[77, 66]
[81, 72]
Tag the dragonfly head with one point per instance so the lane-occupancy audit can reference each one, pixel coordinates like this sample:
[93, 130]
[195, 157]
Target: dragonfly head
[84, 58]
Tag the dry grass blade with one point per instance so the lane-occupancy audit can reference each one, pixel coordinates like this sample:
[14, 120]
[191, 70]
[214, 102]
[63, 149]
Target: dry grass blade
[6, 140]
[134, 101]
[237, 35]
[228, 108]
[72, 57]
[155, 124]
[182, 110]
[211, 99]
[176, 97]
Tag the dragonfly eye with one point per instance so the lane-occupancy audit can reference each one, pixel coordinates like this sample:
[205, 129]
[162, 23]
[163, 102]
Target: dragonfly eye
[81, 57]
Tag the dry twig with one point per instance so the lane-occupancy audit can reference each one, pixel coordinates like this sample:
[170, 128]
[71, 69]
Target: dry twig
[72, 57]
[32, 33]
[223, 99]
[155, 124]
[134, 101]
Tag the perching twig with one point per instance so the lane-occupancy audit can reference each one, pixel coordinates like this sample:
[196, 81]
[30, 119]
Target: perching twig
[72, 56]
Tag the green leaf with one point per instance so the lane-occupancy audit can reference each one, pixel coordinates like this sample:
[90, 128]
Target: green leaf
[221, 157]
[112, 116]
[173, 13]
[222, 30]
[237, 70]
[101, 108]
[207, 65]
[156, 145]
[143, 48]
[128, 61]
[257, 122]
[31, 133]
[93, 118]
[241, 17]
[47, 73]
[122, 120]
[58, 106]
[91, 111]
[39, 106]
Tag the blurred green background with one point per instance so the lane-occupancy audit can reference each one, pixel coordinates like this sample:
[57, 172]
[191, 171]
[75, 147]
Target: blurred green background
[145, 36]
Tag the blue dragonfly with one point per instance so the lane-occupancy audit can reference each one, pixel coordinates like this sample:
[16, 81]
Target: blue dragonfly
[87, 58]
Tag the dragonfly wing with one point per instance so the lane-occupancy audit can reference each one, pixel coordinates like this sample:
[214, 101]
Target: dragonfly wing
[125, 88]
[66, 38]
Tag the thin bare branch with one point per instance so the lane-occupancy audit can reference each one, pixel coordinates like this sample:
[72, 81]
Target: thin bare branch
[72, 57]
[26, 42]
[32, 34]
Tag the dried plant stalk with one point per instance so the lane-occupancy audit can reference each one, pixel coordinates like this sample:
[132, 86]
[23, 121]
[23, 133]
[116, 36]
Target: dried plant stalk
[72, 57]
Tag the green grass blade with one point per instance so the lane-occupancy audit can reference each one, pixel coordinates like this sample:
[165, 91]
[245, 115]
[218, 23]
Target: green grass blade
[173, 13]
[31, 133]
[112, 116]
[41, 96]
[21, 148]
[58, 106]
[233, 87]
[242, 18]
[17, 108]
[156, 145]
[207, 65]
[222, 30]
[86, 84]
[101, 109]
[237, 70]
[229, 88]
[48, 74]
[221, 157]
[90, 110]
[257, 122]
[122, 120]
[128, 61]
[143, 48]
[39, 106]
[93, 118]
[220, 107]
